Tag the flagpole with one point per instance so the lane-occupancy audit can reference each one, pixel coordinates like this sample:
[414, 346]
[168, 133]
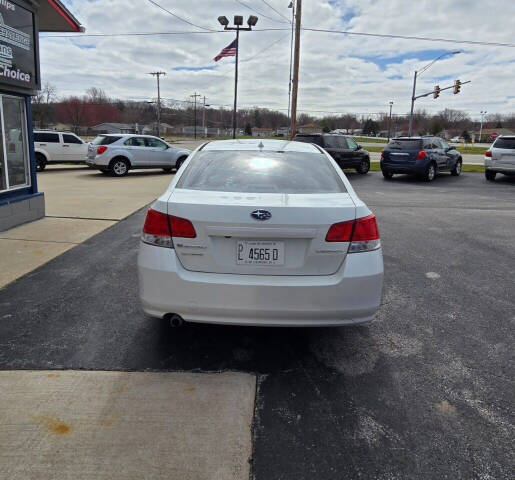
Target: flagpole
[236, 82]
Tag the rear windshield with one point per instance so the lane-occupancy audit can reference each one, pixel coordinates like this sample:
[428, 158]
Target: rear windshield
[505, 142]
[261, 172]
[104, 140]
[404, 144]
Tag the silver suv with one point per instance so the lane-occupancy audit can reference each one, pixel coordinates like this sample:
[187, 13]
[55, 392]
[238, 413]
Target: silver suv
[500, 157]
[117, 154]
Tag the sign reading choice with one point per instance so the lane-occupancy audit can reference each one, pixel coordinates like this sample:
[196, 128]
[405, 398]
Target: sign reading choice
[17, 49]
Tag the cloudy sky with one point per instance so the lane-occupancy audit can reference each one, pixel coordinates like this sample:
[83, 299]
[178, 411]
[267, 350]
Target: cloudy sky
[339, 72]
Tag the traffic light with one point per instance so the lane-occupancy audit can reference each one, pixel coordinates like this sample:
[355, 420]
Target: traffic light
[436, 91]
[457, 86]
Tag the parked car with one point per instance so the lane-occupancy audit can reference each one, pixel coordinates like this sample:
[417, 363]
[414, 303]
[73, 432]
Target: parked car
[51, 146]
[500, 157]
[421, 156]
[344, 149]
[118, 153]
[244, 236]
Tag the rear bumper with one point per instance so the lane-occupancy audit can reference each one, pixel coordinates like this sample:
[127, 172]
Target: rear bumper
[418, 168]
[350, 163]
[350, 296]
[496, 166]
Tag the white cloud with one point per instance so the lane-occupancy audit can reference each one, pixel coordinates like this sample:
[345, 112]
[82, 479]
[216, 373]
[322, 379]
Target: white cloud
[338, 72]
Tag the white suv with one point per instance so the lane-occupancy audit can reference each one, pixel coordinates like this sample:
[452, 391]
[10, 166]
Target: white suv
[51, 146]
[500, 157]
[117, 154]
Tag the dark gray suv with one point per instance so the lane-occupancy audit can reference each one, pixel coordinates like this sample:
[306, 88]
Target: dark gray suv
[345, 151]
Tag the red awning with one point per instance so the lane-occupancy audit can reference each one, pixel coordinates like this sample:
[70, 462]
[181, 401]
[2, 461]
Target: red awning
[55, 17]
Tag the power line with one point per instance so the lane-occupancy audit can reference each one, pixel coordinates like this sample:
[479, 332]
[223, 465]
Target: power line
[408, 37]
[259, 13]
[402, 37]
[179, 18]
[265, 49]
[276, 11]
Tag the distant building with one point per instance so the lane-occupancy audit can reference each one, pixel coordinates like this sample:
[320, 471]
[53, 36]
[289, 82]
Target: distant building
[262, 132]
[283, 132]
[164, 129]
[489, 134]
[309, 128]
[113, 128]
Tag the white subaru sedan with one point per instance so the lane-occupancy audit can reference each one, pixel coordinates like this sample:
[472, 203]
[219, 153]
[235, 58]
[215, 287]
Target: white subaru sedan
[260, 232]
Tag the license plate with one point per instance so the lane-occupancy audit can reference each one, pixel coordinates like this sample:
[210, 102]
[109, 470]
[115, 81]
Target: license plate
[259, 252]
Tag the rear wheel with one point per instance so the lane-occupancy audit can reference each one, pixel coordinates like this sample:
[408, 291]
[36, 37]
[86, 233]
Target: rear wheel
[179, 162]
[490, 176]
[40, 162]
[430, 173]
[457, 168]
[387, 175]
[364, 166]
[119, 167]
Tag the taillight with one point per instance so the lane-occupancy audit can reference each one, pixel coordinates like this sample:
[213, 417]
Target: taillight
[382, 154]
[362, 234]
[340, 232]
[101, 149]
[159, 229]
[421, 155]
[488, 153]
[181, 227]
[156, 230]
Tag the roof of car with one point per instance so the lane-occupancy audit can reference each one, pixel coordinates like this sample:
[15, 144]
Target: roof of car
[125, 135]
[261, 145]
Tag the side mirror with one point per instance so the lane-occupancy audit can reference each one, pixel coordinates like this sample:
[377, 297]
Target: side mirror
[448, 149]
[359, 147]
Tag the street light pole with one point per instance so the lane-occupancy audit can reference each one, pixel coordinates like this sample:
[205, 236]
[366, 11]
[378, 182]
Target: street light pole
[390, 120]
[481, 128]
[417, 74]
[296, 63]
[412, 104]
[238, 21]
[195, 95]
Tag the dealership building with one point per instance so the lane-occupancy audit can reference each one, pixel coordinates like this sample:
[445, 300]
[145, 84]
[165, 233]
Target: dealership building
[20, 24]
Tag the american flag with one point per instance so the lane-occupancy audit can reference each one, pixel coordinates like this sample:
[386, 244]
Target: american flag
[229, 51]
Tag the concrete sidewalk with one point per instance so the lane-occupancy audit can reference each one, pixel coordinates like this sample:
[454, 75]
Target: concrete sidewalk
[80, 202]
[83, 425]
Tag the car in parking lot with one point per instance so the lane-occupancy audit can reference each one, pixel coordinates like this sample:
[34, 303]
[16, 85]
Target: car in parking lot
[422, 156]
[267, 233]
[116, 154]
[344, 149]
[51, 146]
[500, 157]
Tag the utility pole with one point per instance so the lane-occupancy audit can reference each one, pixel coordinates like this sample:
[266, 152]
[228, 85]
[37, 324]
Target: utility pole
[204, 116]
[195, 95]
[158, 74]
[292, 6]
[390, 120]
[296, 62]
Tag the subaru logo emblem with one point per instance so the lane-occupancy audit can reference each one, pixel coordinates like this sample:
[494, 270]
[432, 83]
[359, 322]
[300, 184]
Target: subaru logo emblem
[261, 215]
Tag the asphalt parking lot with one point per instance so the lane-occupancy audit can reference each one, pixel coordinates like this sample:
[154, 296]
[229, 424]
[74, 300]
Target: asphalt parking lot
[425, 392]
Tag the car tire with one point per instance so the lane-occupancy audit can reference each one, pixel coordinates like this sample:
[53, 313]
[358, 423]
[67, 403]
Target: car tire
[179, 162]
[40, 162]
[430, 173]
[490, 176]
[119, 167]
[457, 168]
[387, 175]
[364, 166]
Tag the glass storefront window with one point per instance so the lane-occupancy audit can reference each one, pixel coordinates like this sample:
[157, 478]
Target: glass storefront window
[14, 156]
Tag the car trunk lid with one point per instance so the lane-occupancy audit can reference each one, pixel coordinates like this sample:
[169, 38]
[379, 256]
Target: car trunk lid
[296, 231]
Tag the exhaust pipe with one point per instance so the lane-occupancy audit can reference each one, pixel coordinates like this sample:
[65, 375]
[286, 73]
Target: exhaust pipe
[175, 320]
